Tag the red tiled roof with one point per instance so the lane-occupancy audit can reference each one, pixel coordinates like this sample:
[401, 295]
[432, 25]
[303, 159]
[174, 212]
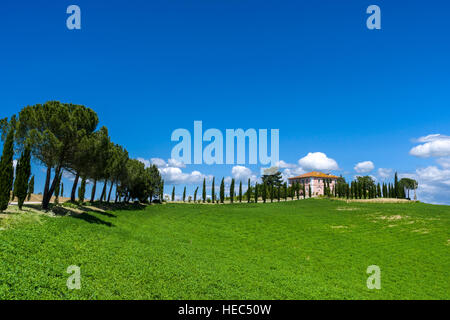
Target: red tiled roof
[314, 174]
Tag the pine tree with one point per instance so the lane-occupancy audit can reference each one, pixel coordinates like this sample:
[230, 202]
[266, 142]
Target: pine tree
[195, 194]
[249, 191]
[173, 194]
[6, 171]
[30, 188]
[82, 190]
[240, 191]
[204, 190]
[222, 191]
[232, 191]
[184, 194]
[23, 172]
[256, 193]
[213, 191]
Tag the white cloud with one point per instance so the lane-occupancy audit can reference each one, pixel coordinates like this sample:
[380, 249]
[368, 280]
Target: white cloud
[318, 161]
[364, 167]
[282, 165]
[172, 175]
[158, 162]
[384, 173]
[289, 173]
[171, 171]
[242, 173]
[433, 145]
[444, 162]
[161, 163]
[176, 163]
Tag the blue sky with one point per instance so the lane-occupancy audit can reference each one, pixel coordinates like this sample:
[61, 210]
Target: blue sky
[310, 69]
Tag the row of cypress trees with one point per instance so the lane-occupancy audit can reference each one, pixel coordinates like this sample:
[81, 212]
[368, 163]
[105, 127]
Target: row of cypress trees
[265, 191]
[22, 186]
[365, 188]
[361, 188]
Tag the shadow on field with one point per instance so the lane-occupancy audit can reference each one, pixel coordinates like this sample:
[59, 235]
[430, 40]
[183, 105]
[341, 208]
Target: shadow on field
[85, 211]
[91, 219]
[104, 206]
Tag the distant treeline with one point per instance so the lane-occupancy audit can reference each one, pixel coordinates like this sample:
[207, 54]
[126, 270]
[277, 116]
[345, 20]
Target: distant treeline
[272, 188]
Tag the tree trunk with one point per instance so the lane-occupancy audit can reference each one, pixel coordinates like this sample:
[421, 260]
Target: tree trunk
[46, 199]
[47, 183]
[110, 190]
[74, 188]
[94, 189]
[103, 195]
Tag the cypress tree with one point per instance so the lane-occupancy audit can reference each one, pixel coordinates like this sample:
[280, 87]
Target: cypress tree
[285, 191]
[232, 191]
[23, 172]
[249, 191]
[173, 194]
[6, 171]
[264, 192]
[30, 188]
[396, 187]
[272, 192]
[304, 191]
[184, 194]
[256, 192]
[82, 190]
[279, 193]
[240, 191]
[222, 191]
[213, 191]
[204, 190]
[195, 194]
[309, 191]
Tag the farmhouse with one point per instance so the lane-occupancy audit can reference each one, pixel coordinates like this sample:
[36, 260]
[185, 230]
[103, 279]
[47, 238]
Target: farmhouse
[315, 180]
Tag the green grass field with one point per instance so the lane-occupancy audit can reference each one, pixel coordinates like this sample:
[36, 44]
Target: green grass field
[307, 249]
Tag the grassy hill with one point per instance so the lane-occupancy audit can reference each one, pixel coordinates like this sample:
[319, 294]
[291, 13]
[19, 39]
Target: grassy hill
[307, 249]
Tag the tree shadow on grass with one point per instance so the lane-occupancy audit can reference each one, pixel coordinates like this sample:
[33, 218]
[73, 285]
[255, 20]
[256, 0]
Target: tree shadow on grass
[78, 213]
[105, 206]
[100, 211]
[91, 219]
